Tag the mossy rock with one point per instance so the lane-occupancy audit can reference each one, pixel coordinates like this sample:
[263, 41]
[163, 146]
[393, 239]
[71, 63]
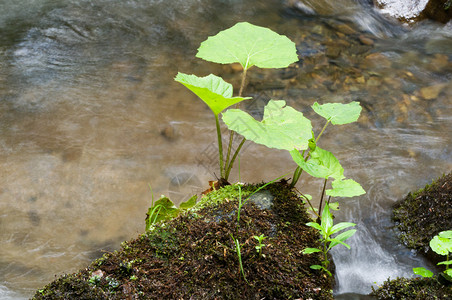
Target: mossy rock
[425, 213]
[413, 289]
[419, 217]
[194, 257]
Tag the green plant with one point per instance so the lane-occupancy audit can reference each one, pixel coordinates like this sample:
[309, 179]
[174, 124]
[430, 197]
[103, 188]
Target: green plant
[260, 245]
[246, 44]
[282, 127]
[238, 250]
[94, 279]
[164, 209]
[327, 229]
[442, 245]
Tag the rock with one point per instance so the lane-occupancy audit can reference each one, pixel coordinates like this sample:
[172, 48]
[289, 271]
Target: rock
[194, 256]
[376, 60]
[365, 40]
[411, 11]
[437, 10]
[432, 92]
[346, 29]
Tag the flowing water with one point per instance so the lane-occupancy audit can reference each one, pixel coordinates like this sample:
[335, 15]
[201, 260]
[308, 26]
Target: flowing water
[90, 117]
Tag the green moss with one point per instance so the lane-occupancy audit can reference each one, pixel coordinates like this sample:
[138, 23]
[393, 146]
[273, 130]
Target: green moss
[413, 289]
[227, 193]
[425, 213]
[194, 257]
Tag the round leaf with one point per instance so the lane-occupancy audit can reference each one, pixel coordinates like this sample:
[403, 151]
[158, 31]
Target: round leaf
[440, 245]
[345, 188]
[249, 45]
[338, 113]
[323, 164]
[282, 126]
[213, 90]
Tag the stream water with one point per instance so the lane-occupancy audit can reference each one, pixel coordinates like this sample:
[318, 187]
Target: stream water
[90, 117]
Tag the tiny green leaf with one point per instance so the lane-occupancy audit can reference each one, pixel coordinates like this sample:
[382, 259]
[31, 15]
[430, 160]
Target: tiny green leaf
[282, 127]
[448, 272]
[213, 90]
[345, 188]
[311, 250]
[326, 219]
[189, 203]
[316, 267]
[423, 272]
[338, 113]
[249, 45]
[314, 225]
[447, 262]
[334, 205]
[322, 164]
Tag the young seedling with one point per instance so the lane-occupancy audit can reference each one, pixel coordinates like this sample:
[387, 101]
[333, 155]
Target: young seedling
[260, 245]
[164, 209]
[246, 44]
[326, 230]
[442, 245]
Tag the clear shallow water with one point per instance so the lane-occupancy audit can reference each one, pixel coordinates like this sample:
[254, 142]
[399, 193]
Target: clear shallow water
[90, 116]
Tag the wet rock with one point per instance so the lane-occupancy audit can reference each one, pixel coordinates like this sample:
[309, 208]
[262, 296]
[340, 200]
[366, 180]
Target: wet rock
[333, 52]
[376, 60]
[432, 92]
[437, 10]
[438, 63]
[346, 29]
[169, 133]
[411, 11]
[366, 41]
[322, 7]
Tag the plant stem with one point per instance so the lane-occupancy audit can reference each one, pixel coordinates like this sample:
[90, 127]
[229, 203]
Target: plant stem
[310, 204]
[242, 85]
[231, 163]
[220, 145]
[296, 176]
[228, 165]
[321, 132]
[297, 172]
[323, 193]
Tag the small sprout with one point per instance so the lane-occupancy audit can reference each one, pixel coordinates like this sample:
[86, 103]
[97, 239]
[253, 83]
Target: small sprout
[259, 247]
[326, 230]
[442, 245]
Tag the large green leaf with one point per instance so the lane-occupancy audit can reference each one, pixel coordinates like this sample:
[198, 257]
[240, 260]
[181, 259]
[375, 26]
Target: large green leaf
[282, 126]
[322, 164]
[345, 188]
[338, 113]
[249, 45]
[441, 245]
[213, 90]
